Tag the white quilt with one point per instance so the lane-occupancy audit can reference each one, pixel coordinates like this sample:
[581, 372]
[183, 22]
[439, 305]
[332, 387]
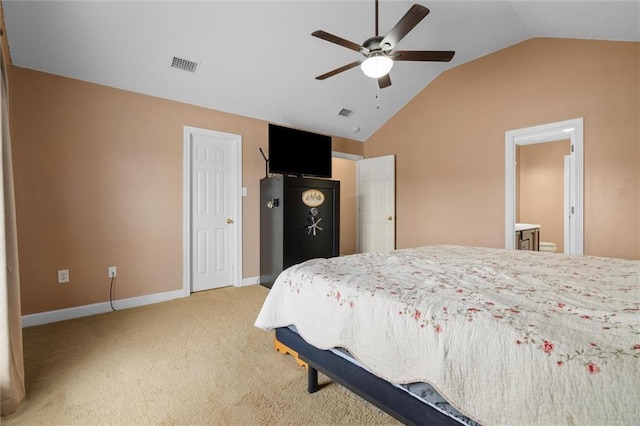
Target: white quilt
[508, 337]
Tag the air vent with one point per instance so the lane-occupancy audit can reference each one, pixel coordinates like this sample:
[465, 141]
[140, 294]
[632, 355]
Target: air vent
[345, 112]
[184, 64]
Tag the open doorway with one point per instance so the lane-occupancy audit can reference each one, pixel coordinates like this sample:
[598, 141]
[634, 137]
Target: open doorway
[572, 130]
[542, 196]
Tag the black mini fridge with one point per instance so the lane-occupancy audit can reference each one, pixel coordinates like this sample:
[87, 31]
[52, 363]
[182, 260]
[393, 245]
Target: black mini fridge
[299, 220]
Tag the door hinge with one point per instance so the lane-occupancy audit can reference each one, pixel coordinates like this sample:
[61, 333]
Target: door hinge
[572, 148]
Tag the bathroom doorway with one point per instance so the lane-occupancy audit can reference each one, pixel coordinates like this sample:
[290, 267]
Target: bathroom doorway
[573, 181]
[542, 198]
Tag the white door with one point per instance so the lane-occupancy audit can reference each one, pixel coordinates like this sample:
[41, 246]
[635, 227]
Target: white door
[376, 204]
[215, 211]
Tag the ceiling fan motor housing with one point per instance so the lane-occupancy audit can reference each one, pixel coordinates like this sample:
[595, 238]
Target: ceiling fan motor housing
[372, 45]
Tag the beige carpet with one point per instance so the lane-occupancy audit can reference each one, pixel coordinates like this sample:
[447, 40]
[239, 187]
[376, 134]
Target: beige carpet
[191, 361]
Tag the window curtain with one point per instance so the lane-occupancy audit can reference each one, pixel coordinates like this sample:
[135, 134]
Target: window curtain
[12, 390]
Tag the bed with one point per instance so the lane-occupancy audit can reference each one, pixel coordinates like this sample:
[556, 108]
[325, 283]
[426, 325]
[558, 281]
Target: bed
[504, 336]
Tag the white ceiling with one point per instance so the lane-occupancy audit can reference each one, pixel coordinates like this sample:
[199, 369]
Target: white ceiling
[258, 58]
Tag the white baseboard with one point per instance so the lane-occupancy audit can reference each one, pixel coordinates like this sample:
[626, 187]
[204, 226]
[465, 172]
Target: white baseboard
[250, 281]
[98, 308]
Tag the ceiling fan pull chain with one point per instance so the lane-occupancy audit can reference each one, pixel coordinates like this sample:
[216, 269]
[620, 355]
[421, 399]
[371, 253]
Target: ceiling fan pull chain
[377, 97]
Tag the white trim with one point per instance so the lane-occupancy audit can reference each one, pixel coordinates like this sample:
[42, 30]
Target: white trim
[566, 210]
[239, 220]
[98, 308]
[186, 206]
[569, 129]
[250, 281]
[186, 211]
[352, 157]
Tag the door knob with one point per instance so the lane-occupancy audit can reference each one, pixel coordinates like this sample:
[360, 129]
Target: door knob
[229, 221]
[390, 218]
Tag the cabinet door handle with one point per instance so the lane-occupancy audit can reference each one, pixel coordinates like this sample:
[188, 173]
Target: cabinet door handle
[229, 221]
[390, 218]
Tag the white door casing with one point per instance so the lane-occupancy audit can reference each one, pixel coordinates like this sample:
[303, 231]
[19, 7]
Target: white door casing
[376, 204]
[569, 129]
[212, 209]
[566, 224]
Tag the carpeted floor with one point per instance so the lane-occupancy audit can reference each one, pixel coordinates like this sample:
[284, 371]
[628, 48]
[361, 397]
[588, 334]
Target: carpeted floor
[192, 361]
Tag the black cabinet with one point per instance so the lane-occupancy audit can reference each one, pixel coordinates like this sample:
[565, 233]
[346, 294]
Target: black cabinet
[299, 220]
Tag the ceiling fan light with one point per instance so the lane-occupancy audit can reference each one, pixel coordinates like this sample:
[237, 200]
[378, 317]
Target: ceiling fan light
[376, 66]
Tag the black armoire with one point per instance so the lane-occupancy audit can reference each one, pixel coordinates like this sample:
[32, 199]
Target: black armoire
[299, 220]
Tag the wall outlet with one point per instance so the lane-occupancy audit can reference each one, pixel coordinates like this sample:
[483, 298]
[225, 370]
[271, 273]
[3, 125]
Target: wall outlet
[113, 271]
[63, 276]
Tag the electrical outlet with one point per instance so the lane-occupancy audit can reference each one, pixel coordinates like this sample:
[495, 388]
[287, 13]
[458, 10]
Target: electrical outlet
[63, 276]
[113, 272]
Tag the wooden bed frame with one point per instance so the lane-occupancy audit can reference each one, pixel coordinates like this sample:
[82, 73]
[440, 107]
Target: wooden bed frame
[384, 395]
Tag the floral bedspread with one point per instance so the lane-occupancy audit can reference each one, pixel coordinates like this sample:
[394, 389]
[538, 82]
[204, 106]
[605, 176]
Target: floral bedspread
[508, 337]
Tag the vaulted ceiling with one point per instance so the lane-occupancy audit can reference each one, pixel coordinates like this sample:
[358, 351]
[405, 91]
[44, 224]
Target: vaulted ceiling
[258, 58]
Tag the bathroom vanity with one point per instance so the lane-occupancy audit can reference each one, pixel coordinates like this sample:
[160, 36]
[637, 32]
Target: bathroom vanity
[527, 236]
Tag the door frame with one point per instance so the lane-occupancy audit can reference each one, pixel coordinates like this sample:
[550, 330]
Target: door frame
[187, 200]
[568, 129]
[566, 209]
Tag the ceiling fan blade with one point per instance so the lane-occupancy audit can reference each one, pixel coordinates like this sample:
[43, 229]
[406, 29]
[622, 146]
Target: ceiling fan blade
[338, 40]
[423, 55]
[338, 70]
[384, 81]
[404, 25]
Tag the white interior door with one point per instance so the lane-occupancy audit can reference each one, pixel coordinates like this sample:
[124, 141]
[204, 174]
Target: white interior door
[215, 189]
[376, 204]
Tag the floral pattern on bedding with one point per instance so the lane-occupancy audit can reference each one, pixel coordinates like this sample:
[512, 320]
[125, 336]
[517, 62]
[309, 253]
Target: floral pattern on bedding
[556, 272]
[574, 319]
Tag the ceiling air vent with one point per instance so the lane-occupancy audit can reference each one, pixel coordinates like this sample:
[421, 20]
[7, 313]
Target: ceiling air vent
[184, 64]
[345, 112]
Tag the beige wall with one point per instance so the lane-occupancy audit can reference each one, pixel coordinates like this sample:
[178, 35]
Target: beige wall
[449, 142]
[98, 171]
[98, 175]
[540, 190]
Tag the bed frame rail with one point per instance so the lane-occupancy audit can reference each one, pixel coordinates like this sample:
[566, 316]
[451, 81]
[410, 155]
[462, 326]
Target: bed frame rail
[384, 395]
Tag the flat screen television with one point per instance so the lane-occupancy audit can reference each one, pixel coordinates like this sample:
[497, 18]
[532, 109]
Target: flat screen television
[299, 153]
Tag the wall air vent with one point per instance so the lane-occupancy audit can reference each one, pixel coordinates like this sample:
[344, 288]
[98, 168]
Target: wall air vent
[345, 112]
[184, 64]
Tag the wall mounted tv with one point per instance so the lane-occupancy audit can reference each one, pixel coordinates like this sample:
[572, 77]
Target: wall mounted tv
[299, 153]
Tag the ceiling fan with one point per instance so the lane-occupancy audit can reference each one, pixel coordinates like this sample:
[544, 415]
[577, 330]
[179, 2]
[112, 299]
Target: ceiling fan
[379, 50]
